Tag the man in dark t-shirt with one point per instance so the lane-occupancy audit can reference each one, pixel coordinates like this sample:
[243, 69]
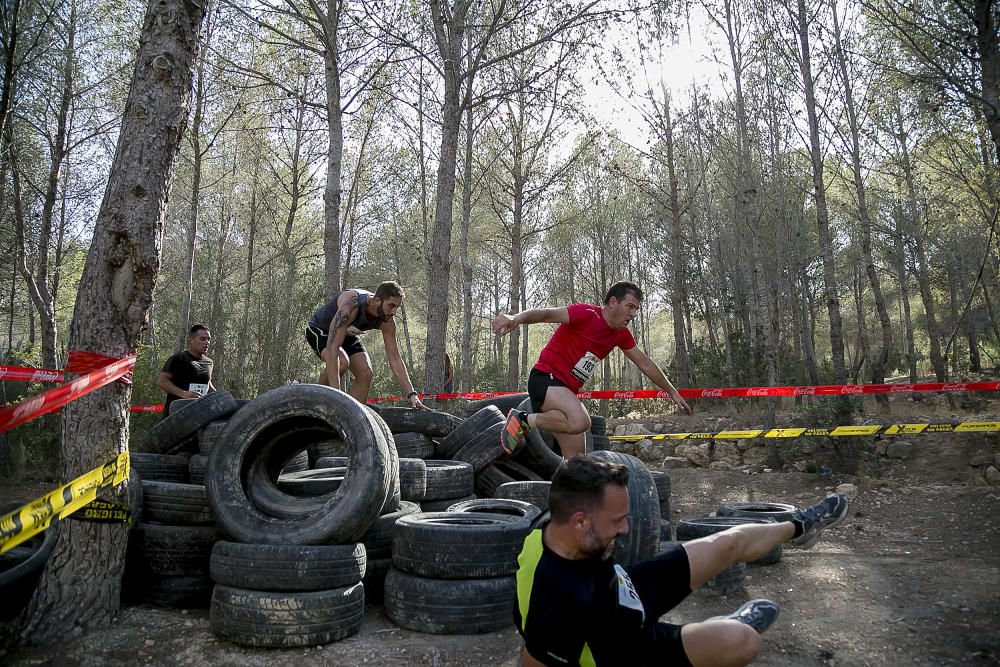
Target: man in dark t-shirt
[586, 334]
[575, 606]
[188, 374]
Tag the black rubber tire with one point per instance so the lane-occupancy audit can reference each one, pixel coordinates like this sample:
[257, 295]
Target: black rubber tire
[643, 535]
[286, 619]
[489, 480]
[160, 467]
[536, 493]
[208, 435]
[325, 448]
[442, 504]
[501, 403]
[429, 422]
[412, 479]
[448, 479]
[378, 539]
[21, 567]
[180, 592]
[374, 580]
[414, 445]
[270, 567]
[176, 504]
[311, 482]
[601, 443]
[182, 424]
[598, 425]
[692, 529]
[758, 510]
[458, 545]
[505, 506]
[483, 449]
[449, 606]
[331, 462]
[729, 580]
[196, 469]
[536, 454]
[518, 472]
[662, 481]
[298, 463]
[666, 531]
[179, 403]
[173, 551]
[255, 435]
[394, 496]
[450, 445]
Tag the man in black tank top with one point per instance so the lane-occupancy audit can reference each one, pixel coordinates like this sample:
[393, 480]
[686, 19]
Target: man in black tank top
[332, 333]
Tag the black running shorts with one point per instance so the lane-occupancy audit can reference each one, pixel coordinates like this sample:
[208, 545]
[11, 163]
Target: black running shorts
[318, 340]
[538, 386]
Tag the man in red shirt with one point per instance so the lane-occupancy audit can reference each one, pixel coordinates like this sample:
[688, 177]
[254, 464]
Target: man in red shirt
[586, 334]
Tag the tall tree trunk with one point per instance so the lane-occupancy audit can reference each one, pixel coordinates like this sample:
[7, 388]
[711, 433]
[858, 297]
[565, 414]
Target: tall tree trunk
[819, 194]
[449, 35]
[335, 151]
[465, 353]
[682, 363]
[80, 587]
[877, 361]
[194, 138]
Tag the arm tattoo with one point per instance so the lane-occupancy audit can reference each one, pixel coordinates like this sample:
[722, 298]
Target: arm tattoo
[341, 318]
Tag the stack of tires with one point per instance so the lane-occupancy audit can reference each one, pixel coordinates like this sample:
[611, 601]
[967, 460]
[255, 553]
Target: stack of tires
[453, 572]
[169, 551]
[290, 573]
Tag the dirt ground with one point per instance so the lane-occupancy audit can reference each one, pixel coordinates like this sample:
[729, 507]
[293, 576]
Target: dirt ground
[911, 578]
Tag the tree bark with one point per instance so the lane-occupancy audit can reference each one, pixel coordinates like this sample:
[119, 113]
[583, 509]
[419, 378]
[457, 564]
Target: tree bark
[80, 587]
[819, 194]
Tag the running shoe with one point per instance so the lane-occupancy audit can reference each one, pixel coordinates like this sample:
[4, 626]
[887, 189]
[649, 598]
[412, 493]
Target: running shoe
[758, 614]
[814, 520]
[514, 430]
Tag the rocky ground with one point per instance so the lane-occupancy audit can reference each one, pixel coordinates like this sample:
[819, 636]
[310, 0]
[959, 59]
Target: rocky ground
[912, 578]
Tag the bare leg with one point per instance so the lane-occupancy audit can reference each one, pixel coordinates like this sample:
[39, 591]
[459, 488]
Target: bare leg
[708, 556]
[720, 643]
[361, 369]
[564, 415]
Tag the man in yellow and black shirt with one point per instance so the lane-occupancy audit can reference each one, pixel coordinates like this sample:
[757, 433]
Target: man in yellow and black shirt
[576, 606]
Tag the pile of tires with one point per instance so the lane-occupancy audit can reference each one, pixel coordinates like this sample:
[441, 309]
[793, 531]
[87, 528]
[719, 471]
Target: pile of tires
[453, 572]
[299, 540]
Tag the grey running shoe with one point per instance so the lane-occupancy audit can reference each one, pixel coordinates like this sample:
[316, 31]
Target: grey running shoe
[824, 514]
[758, 614]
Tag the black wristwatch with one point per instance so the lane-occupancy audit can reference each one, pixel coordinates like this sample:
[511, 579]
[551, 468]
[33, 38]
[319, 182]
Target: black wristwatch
[412, 394]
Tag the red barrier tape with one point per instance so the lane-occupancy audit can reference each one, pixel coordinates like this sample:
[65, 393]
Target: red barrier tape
[742, 392]
[146, 408]
[27, 374]
[53, 399]
[78, 361]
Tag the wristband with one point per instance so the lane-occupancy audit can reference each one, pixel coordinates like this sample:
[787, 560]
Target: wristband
[412, 394]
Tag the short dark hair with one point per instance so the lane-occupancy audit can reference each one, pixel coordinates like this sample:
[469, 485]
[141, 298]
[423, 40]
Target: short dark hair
[389, 289]
[620, 289]
[579, 483]
[193, 331]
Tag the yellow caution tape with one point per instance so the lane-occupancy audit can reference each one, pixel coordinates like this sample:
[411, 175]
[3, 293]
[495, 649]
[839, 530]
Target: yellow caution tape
[836, 431]
[35, 517]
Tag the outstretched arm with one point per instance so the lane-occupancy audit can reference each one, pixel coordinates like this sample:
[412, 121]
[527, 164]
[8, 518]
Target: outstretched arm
[396, 364]
[653, 372]
[504, 324]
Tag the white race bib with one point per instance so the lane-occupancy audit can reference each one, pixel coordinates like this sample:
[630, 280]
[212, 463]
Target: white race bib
[627, 597]
[585, 367]
[198, 388]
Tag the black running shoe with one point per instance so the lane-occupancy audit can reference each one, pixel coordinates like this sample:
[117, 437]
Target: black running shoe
[814, 520]
[758, 614]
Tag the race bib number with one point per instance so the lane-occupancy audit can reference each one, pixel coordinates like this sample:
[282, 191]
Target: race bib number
[585, 367]
[198, 388]
[627, 597]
